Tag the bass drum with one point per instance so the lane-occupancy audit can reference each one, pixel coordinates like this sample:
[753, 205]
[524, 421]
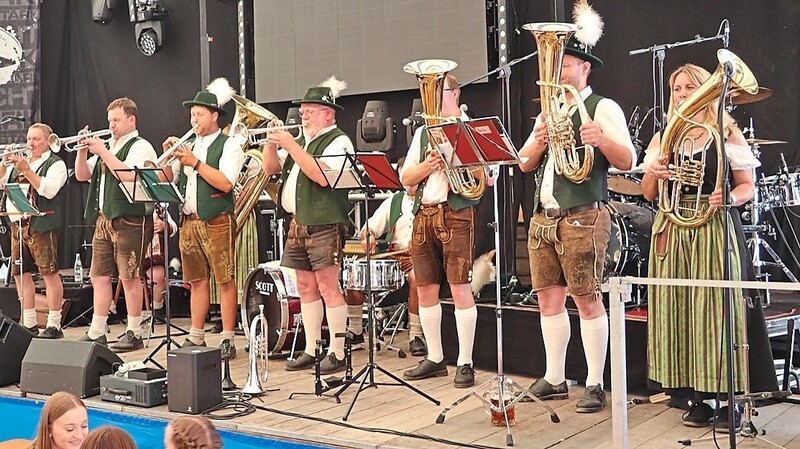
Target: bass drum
[629, 246]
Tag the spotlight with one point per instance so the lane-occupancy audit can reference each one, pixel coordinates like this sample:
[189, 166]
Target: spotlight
[148, 37]
[375, 130]
[293, 118]
[147, 15]
[102, 10]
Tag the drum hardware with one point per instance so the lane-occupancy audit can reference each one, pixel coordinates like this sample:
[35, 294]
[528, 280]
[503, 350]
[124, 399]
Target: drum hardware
[321, 386]
[227, 382]
[752, 141]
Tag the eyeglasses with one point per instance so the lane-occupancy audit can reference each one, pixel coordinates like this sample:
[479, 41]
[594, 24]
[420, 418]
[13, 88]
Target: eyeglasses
[450, 88]
[303, 112]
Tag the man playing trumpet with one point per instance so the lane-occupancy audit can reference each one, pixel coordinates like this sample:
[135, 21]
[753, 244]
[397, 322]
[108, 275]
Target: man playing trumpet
[42, 176]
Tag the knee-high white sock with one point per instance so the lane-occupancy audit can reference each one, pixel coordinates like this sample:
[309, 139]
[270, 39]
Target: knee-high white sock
[312, 323]
[355, 319]
[431, 320]
[555, 334]
[98, 327]
[29, 318]
[466, 319]
[135, 325]
[414, 326]
[594, 333]
[54, 319]
[337, 324]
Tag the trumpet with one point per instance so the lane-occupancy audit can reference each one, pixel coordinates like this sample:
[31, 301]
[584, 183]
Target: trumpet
[168, 157]
[70, 144]
[19, 149]
[258, 131]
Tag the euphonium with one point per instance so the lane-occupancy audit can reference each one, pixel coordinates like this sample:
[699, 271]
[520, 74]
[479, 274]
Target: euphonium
[685, 171]
[551, 41]
[257, 358]
[469, 182]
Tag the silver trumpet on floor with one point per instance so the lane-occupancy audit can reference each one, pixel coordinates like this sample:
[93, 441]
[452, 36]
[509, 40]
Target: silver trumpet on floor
[257, 359]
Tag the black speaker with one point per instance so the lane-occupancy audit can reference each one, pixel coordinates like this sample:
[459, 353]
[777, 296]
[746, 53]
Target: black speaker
[194, 379]
[59, 365]
[14, 341]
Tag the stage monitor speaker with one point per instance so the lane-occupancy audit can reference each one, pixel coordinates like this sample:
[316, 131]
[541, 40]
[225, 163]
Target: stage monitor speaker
[14, 341]
[73, 366]
[194, 379]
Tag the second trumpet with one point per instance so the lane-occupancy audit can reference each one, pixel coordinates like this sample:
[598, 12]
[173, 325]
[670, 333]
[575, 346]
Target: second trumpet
[253, 132]
[70, 144]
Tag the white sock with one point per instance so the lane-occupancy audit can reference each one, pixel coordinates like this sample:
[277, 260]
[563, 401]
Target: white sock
[227, 335]
[29, 318]
[312, 323]
[158, 304]
[197, 336]
[135, 325]
[466, 320]
[431, 320]
[98, 327]
[414, 326]
[355, 319]
[555, 334]
[54, 319]
[337, 324]
[594, 333]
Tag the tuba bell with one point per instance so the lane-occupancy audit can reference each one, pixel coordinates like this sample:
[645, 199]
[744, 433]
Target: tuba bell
[469, 182]
[257, 357]
[685, 171]
[551, 41]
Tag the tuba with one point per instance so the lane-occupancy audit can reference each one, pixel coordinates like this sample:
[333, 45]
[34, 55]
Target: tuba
[469, 182]
[685, 171]
[257, 356]
[551, 41]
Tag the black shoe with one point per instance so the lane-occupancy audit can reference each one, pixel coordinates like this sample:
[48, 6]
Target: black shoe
[426, 369]
[101, 340]
[681, 403]
[160, 314]
[543, 390]
[330, 364]
[593, 400]
[721, 423]
[357, 342]
[129, 342]
[217, 328]
[33, 329]
[190, 344]
[305, 361]
[465, 376]
[228, 349]
[51, 332]
[699, 415]
[417, 347]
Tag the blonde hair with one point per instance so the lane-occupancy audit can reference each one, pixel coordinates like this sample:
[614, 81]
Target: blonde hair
[55, 407]
[45, 128]
[194, 432]
[698, 76]
[128, 106]
[108, 437]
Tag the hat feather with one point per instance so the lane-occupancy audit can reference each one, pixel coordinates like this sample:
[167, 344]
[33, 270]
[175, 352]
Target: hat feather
[589, 22]
[335, 85]
[222, 89]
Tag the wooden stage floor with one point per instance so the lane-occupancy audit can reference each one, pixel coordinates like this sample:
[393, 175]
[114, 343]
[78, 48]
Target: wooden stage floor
[396, 417]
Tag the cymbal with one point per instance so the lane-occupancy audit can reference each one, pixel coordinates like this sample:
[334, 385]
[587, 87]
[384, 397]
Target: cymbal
[763, 142]
[738, 96]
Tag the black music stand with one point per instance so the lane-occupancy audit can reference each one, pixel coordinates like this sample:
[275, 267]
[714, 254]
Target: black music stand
[377, 174]
[482, 142]
[148, 188]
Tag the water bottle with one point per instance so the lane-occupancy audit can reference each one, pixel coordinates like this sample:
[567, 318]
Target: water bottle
[78, 269]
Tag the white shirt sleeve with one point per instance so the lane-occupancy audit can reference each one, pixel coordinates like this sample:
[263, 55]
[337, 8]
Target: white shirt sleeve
[379, 221]
[413, 154]
[340, 146]
[140, 151]
[50, 185]
[741, 157]
[230, 163]
[612, 121]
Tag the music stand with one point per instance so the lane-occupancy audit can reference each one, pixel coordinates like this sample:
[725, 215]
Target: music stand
[13, 192]
[147, 187]
[482, 142]
[377, 174]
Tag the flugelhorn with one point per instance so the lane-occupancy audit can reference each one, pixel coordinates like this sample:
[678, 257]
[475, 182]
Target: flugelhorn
[257, 358]
[168, 156]
[18, 149]
[70, 144]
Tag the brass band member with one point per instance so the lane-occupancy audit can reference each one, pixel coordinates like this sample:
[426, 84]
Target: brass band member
[570, 229]
[442, 242]
[43, 176]
[319, 218]
[206, 174]
[122, 229]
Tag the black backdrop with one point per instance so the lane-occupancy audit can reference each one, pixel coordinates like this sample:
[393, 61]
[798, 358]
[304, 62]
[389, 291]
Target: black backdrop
[85, 65]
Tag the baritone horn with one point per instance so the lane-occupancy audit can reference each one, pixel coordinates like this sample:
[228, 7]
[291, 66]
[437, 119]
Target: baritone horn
[551, 41]
[70, 144]
[257, 357]
[469, 182]
[685, 171]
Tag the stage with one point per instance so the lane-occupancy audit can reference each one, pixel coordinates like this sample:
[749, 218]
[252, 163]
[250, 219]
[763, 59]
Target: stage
[395, 417]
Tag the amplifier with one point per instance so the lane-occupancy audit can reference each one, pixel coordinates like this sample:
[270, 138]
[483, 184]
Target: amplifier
[143, 391]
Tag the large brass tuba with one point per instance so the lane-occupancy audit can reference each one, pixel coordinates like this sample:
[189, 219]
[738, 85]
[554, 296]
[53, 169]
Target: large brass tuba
[551, 40]
[469, 182]
[685, 171]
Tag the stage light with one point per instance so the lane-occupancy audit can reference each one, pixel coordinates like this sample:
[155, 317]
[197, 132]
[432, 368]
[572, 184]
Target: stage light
[414, 120]
[375, 130]
[147, 16]
[102, 10]
[293, 118]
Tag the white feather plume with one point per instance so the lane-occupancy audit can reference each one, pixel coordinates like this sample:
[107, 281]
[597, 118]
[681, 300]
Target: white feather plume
[589, 22]
[335, 85]
[222, 89]
[483, 272]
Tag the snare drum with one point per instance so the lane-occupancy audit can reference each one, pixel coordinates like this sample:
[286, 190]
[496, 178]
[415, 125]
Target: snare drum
[784, 190]
[625, 183]
[386, 275]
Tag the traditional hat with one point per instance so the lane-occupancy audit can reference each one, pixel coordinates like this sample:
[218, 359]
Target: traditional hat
[325, 94]
[590, 29]
[214, 96]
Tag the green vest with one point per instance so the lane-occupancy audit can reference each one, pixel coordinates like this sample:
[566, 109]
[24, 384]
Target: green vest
[315, 204]
[210, 201]
[395, 212]
[51, 208]
[594, 188]
[115, 203]
[456, 201]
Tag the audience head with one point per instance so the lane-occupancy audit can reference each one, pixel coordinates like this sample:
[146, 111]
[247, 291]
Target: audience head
[191, 432]
[63, 424]
[108, 437]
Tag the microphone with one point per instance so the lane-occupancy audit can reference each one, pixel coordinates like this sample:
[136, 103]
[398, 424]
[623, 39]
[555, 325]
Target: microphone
[633, 123]
[464, 107]
[785, 166]
[726, 34]
[8, 118]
